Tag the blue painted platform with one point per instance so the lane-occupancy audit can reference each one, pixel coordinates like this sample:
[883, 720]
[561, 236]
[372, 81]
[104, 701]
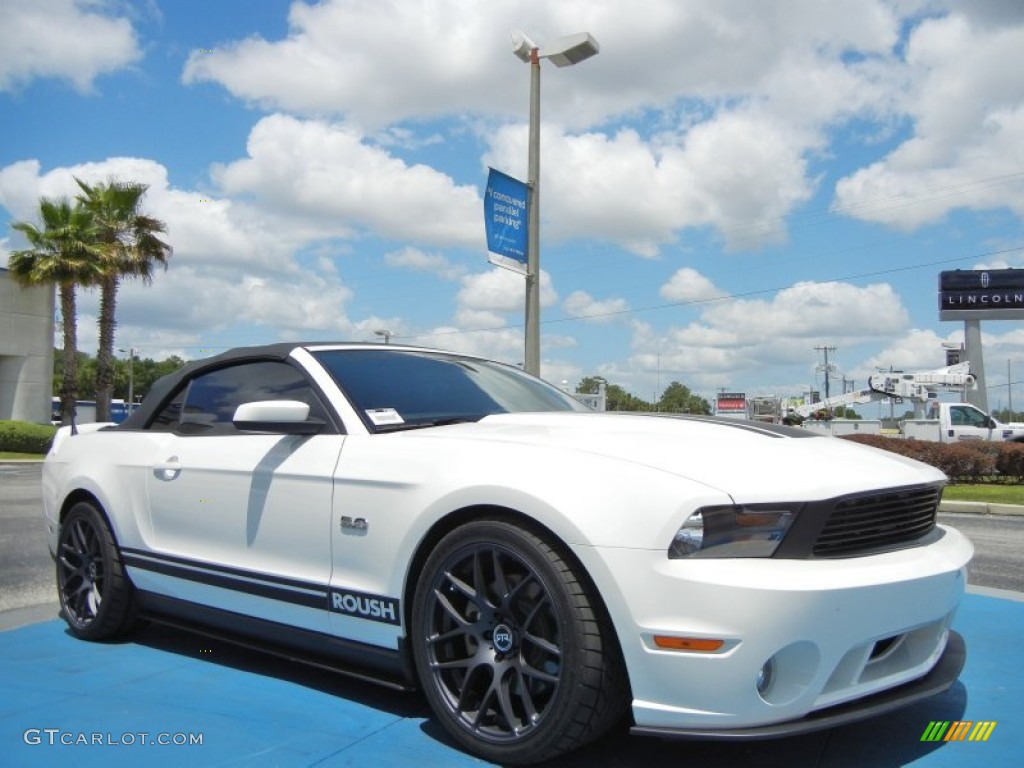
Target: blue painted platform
[253, 710]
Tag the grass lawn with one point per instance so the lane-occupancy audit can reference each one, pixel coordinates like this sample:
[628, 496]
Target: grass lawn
[996, 493]
[14, 455]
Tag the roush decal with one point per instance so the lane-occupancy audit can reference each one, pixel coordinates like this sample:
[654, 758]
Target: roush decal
[364, 606]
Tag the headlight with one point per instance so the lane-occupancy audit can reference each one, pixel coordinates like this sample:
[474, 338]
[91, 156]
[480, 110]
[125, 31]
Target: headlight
[754, 530]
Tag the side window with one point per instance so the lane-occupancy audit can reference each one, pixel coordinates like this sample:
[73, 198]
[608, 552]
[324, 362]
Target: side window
[207, 404]
[966, 417]
[167, 419]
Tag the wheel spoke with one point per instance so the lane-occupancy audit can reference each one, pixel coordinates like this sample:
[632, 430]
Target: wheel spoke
[450, 609]
[530, 710]
[468, 692]
[531, 671]
[454, 634]
[463, 587]
[504, 697]
[543, 644]
[499, 577]
[455, 664]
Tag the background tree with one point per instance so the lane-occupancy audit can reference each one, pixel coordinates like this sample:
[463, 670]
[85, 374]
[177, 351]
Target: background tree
[130, 246]
[62, 253]
[677, 398]
[143, 373]
[616, 398]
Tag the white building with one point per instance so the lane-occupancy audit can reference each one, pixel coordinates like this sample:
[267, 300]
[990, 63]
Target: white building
[26, 350]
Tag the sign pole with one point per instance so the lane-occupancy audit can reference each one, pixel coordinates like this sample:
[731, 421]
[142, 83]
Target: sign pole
[972, 343]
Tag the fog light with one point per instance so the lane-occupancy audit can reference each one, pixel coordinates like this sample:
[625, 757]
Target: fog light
[764, 677]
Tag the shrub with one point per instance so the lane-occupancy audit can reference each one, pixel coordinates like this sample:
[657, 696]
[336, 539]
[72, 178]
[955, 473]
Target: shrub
[968, 462]
[25, 437]
[965, 462]
[1010, 461]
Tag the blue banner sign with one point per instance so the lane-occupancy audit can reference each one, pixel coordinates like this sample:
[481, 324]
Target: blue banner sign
[505, 221]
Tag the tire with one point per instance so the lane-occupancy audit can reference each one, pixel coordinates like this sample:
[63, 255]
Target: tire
[96, 598]
[514, 653]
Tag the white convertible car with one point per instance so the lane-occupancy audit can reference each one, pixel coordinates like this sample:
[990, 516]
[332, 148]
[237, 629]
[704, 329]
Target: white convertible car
[542, 572]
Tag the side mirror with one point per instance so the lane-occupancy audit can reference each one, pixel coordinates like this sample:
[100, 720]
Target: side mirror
[991, 423]
[285, 417]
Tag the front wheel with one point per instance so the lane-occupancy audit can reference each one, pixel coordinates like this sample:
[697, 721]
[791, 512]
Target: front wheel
[96, 598]
[512, 649]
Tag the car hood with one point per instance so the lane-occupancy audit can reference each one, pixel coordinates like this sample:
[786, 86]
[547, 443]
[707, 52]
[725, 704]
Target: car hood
[748, 460]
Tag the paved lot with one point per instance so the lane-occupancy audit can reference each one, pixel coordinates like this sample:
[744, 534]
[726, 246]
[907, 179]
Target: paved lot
[26, 571]
[249, 709]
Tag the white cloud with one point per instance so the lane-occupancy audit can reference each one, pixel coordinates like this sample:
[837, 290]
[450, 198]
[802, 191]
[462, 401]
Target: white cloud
[740, 172]
[457, 58]
[968, 113]
[418, 260]
[581, 304]
[744, 97]
[813, 310]
[73, 40]
[500, 290]
[916, 350]
[687, 285]
[328, 176]
[217, 233]
[737, 336]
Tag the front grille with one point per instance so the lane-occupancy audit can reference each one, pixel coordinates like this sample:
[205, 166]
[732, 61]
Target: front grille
[878, 521]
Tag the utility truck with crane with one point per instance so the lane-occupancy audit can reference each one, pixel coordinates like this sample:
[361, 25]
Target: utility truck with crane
[946, 422]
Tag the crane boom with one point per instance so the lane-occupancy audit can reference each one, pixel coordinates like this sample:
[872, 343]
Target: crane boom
[917, 387]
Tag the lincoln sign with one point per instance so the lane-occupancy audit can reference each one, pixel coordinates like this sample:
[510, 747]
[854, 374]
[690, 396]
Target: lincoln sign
[994, 294]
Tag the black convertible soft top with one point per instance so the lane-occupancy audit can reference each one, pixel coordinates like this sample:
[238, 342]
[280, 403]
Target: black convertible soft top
[164, 386]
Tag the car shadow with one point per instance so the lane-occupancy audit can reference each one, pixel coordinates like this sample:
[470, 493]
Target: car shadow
[209, 650]
[887, 741]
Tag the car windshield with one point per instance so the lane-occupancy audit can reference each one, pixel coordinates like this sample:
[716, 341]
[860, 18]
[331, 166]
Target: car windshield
[402, 389]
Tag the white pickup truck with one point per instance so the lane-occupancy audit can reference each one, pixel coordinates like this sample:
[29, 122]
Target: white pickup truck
[957, 422]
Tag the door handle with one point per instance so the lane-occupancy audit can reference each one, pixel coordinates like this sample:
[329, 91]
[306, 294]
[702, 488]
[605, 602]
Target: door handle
[167, 470]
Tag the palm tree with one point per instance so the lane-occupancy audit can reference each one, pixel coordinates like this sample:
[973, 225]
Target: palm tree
[61, 253]
[130, 245]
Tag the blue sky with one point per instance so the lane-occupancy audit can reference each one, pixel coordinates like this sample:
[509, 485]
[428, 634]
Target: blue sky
[725, 187]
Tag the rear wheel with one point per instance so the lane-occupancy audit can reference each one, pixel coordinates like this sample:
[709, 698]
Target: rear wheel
[512, 649]
[96, 598]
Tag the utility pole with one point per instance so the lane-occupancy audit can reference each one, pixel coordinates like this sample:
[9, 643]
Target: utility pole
[826, 350]
[1009, 390]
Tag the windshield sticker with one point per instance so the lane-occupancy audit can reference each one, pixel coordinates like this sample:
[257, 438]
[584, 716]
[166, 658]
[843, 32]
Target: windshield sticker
[382, 416]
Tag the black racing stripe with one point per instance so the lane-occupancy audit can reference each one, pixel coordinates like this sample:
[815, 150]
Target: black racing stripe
[281, 593]
[207, 566]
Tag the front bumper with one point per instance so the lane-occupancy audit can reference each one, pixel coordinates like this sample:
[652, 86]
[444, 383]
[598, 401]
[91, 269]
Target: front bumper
[841, 636]
[941, 678]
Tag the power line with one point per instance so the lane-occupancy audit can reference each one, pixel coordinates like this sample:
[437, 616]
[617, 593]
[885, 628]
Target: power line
[714, 299]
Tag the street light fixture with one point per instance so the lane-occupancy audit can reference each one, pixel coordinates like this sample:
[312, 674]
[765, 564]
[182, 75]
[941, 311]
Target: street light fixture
[387, 334]
[562, 52]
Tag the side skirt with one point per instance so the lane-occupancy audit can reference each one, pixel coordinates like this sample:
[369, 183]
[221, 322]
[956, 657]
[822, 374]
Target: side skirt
[369, 663]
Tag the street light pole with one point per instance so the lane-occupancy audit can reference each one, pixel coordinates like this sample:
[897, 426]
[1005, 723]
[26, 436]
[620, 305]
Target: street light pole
[563, 52]
[131, 376]
[532, 320]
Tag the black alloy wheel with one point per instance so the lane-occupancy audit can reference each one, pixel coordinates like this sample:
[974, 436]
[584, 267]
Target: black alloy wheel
[513, 653]
[96, 598]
